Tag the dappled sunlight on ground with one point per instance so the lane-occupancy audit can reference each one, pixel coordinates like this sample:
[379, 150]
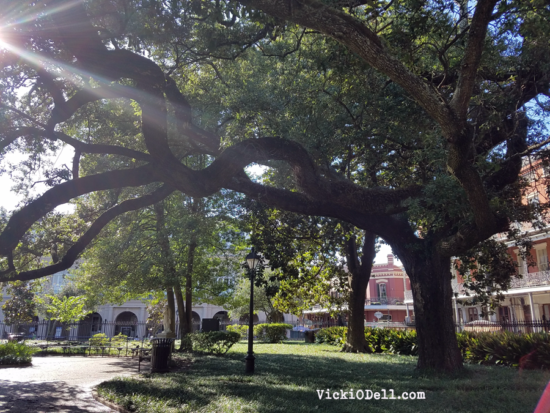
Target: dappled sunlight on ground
[59, 384]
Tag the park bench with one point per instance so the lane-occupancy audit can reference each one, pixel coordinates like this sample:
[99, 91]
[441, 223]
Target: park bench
[144, 354]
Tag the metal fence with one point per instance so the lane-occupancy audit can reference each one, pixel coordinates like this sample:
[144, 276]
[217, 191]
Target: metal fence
[53, 330]
[83, 331]
[521, 327]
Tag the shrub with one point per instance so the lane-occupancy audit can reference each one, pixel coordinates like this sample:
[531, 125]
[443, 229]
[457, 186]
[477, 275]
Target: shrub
[403, 342]
[119, 340]
[506, 348]
[186, 343]
[271, 333]
[15, 353]
[502, 348]
[99, 340]
[380, 340]
[241, 329]
[214, 342]
[332, 335]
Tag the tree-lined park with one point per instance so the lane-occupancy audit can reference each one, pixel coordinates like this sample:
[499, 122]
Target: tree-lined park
[403, 121]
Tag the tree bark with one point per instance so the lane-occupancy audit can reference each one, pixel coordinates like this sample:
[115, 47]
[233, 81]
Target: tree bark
[189, 283]
[182, 315]
[172, 307]
[358, 281]
[430, 275]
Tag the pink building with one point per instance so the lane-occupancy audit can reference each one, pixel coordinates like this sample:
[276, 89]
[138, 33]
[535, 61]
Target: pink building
[386, 293]
[385, 301]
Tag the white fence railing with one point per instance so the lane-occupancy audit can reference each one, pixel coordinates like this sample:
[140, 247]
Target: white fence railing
[533, 279]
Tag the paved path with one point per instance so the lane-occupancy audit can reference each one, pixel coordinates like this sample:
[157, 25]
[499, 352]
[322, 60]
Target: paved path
[59, 384]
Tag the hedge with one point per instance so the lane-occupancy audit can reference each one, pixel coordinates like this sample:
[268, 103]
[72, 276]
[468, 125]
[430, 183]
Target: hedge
[241, 329]
[15, 353]
[99, 340]
[271, 333]
[214, 342]
[502, 348]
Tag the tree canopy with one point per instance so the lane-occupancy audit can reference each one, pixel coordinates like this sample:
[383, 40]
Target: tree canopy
[409, 120]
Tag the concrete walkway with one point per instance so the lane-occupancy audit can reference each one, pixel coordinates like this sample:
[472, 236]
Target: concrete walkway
[59, 384]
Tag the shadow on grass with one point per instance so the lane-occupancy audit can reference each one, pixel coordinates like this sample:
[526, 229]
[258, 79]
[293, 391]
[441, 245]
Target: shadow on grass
[290, 382]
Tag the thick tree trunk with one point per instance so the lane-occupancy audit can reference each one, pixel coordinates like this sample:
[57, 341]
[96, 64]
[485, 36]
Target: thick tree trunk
[432, 294]
[189, 283]
[168, 263]
[358, 282]
[182, 315]
[172, 307]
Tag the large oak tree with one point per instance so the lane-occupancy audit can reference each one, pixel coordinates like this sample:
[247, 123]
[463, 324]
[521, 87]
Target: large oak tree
[470, 72]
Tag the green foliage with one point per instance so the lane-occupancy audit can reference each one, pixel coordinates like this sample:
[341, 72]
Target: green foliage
[66, 309]
[380, 340]
[505, 348]
[99, 340]
[143, 252]
[119, 340]
[271, 333]
[487, 271]
[331, 335]
[20, 308]
[15, 353]
[238, 304]
[216, 385]
[385, 340]
[214, 342]
[305, 254]
[237, 328]
[186, 343]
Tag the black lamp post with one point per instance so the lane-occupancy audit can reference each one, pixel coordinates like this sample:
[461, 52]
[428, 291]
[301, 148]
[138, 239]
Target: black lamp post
[252, 260]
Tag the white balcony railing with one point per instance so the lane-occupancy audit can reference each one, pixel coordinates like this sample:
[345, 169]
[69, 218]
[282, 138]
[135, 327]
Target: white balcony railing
[533, 279]
[384, 301]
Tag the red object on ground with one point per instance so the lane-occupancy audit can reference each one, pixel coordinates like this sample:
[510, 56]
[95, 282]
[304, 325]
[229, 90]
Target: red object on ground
[544, 402]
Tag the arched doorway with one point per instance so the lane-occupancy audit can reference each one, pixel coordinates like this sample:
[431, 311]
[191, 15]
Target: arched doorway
[126, 323]
[196, 321]
[224, 319]
[244, 319]
[222, 316]
[277, 317]
[89, 326]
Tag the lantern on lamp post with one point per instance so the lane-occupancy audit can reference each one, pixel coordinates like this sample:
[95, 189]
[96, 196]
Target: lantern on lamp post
[252, 260]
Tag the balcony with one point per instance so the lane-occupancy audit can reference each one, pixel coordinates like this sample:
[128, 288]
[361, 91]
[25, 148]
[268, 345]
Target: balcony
[533, 279]
[385, 301]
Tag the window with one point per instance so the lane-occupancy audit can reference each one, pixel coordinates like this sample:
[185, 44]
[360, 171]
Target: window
[504, 314]
[546, 312]
[473, 314]
[382, 292]
[96, 323]
[542, 259]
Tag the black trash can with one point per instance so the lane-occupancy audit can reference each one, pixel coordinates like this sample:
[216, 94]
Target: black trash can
[309, 335]
[160, 354]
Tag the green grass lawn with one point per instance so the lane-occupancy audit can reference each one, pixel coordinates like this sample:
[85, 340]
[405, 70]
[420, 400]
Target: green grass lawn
[288, 376]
